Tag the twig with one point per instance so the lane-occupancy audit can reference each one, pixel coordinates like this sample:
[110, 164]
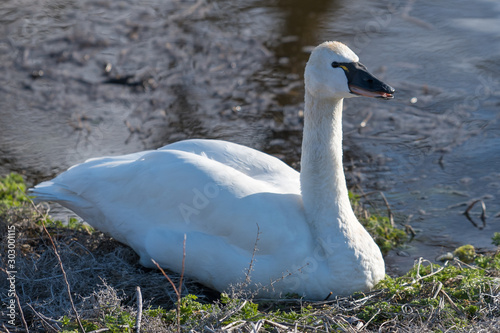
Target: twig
[425, 276]
[39, 315]
[283, 276]
[165, 274]
[234, 325]
[208, 329]
[460, 262]
[418, 266]
[138, 318]
[365, 121]
[183, 267]
[483, 213]
[250, 266]
[178, 308]
[393, 320]
[453, 305]
[233, 312]
[58, 276]
[441, 162]
[389, 210]
[257, 326]
[68, 288]
[21, 313]
[409, 230]
[440, 285]
[177, 290]
[373, 317]
[428, 275]
[105, 329]
[5, 328]
[283, 327]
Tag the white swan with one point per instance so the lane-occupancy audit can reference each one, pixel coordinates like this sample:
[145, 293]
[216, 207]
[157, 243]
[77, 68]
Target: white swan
[220, 194]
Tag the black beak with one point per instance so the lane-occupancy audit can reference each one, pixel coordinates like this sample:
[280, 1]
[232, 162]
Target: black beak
[361, 82]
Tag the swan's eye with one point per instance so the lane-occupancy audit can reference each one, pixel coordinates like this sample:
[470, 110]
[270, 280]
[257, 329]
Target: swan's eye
[341, 65]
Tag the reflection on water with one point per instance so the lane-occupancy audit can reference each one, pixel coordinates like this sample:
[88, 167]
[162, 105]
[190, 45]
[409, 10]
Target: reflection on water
[108, 78]
[88, 78]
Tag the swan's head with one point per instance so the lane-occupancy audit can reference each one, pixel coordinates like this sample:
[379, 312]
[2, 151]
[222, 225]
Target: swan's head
[334, 71]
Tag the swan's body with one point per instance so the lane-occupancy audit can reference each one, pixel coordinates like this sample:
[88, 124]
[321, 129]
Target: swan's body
[230, 200]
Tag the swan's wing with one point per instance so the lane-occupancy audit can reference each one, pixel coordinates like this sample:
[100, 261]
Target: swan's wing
[248, 161]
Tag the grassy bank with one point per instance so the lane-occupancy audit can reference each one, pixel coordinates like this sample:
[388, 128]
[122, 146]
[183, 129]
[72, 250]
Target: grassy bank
[102, 277]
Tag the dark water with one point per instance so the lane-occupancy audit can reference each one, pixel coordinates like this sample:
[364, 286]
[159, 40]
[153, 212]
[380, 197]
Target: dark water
[89, 78]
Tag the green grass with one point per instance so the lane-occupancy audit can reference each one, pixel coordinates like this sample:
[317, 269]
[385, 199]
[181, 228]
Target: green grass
[12, 191]
[455, 295]
[386, 235]
[496, 239]
[73, 224]
[13, 195]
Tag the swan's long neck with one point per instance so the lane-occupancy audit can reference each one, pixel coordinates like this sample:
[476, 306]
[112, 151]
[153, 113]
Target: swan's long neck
[351, 254]
[323, 185]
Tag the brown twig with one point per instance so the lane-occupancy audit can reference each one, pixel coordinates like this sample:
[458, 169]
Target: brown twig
[410, 231]
[165, 274]
[178, 308]
[21, 313]
[68, 288]
[177, 290]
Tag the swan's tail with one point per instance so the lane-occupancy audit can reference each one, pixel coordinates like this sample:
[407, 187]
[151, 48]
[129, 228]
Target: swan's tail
[65, 196]
[52, 191]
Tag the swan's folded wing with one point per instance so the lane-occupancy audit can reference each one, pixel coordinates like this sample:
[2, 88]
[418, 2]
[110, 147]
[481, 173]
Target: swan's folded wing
[251, 162]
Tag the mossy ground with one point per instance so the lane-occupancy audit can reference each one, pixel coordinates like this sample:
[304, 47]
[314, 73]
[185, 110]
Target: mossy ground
[103, 275]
